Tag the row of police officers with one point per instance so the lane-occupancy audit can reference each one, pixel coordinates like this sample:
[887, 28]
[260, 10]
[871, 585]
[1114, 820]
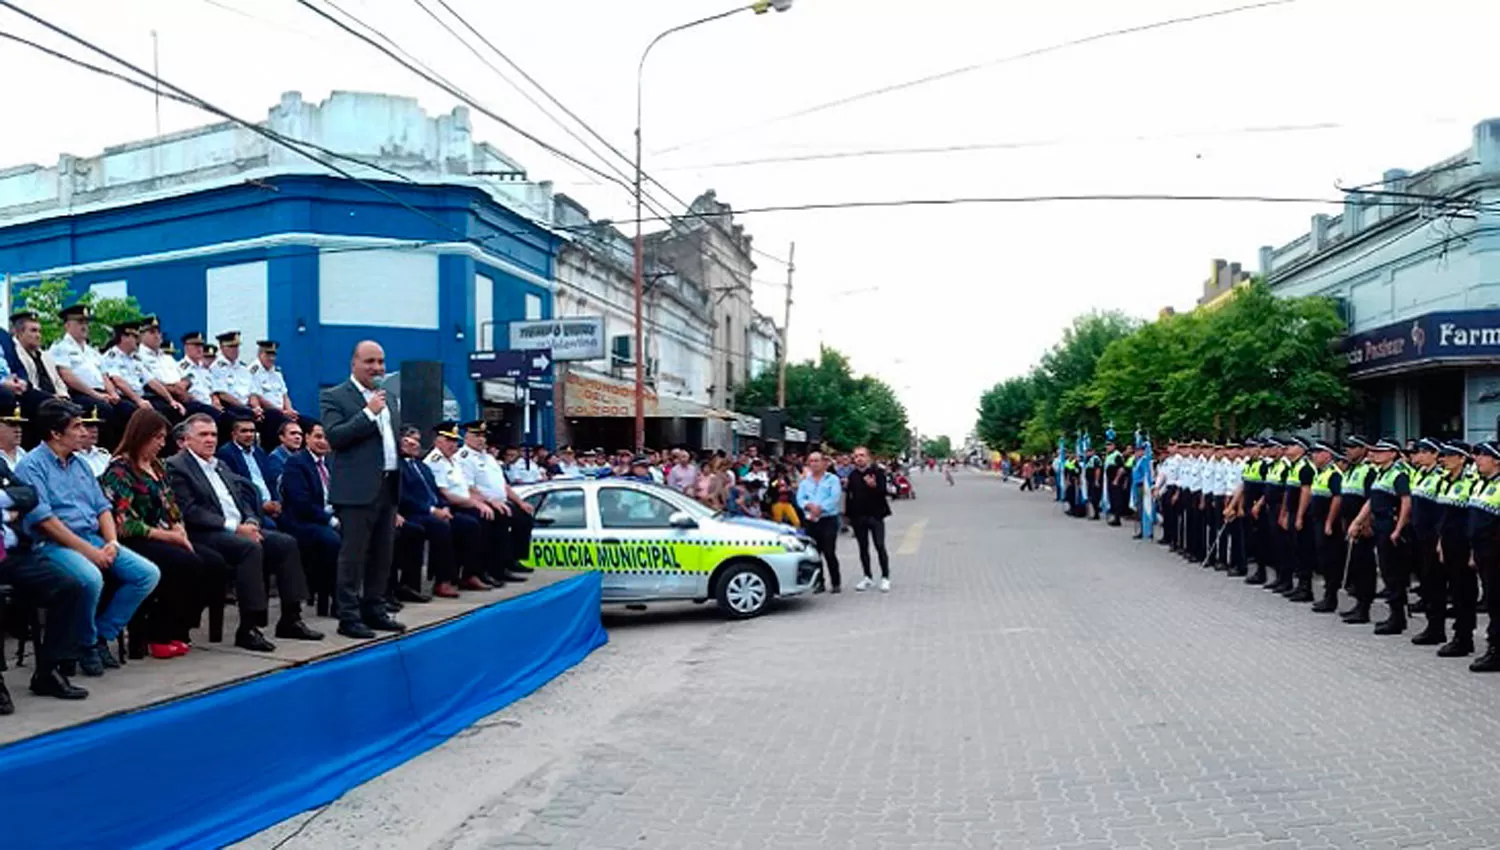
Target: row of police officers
[1297, 509]
[140, 368]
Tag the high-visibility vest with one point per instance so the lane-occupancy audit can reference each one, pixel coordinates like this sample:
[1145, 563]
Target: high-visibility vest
[1276, 474]
[1253, 472]
[1425, 482]
[1486, 495]
[1385, 481]
[1356, 478]
[1455, 492]
[1322, 481]
[1294, 472]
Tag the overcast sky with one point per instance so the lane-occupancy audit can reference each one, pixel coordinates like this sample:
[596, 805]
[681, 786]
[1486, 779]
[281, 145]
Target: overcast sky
[940, 302]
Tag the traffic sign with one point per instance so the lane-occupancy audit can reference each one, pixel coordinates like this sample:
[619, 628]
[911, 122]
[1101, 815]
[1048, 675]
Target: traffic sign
[524, 366]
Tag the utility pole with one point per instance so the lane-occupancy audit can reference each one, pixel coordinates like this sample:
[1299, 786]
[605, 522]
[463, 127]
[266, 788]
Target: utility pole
[786, 321]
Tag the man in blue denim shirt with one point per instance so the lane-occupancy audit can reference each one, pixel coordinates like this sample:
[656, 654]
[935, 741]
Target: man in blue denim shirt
[821, 497]
[74, 531]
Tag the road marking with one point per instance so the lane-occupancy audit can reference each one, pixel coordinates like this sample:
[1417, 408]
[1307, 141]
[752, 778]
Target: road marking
[913, 539]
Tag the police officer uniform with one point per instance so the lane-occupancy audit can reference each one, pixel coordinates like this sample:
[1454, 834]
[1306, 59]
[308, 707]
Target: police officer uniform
[232, 382]
[1247, 480]
[1280, 576]
[1214, 500]
[269, 384]
[513, 530]
[1426, 517]
[200, 378]
[1484, 542]
[1093, 474]
[17, 421]
[451, 477]
[1454, 576]
[1301, 543]
[1324, 520]
[1166, 478]
[87, 366]
[126, 367]
[1114, 464]
[1389, 507]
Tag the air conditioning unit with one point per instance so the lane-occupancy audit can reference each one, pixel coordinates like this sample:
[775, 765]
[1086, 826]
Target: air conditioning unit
[621, 350]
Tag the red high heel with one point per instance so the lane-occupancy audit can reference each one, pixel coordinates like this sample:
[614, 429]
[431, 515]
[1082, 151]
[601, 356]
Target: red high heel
[163, 650]
[182, 647]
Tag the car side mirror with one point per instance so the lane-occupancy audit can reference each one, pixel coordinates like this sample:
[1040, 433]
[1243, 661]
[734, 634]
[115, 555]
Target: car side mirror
[682, 519]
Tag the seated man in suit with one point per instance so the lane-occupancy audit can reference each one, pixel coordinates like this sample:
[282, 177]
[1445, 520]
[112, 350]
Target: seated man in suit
[37, 368]
[452, 539]
[248, 460]
[291, 438]
[306, 514]
[219, 514]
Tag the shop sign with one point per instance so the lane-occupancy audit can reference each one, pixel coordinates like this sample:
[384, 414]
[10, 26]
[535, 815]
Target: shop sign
[1457, 335]
[585, 397]
[573, 338]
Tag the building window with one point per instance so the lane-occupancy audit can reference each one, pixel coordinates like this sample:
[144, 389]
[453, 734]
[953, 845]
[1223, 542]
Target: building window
[237, 300]
[533, 307]
[484, 313]
[109, 289]
[391, 289]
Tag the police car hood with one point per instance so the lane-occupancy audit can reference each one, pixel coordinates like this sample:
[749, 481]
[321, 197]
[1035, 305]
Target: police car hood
[761, 524]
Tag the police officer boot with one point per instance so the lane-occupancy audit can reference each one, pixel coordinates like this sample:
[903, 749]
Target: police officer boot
[1435, 634]
[1330, 601]
[1460, 646]
[1304, 592]
[1395, 624]
[1358, 615]
[1489, 662]
[1257, 577]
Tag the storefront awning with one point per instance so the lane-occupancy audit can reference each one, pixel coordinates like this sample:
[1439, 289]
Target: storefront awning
[588, 394]
[1447, 338]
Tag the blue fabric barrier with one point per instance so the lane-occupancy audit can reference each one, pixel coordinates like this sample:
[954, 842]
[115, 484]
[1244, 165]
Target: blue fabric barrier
[209, 770]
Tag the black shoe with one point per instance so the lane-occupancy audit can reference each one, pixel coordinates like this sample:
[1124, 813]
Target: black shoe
[297, 630]
[1257, 577]
[1430, 637]
[522, 569]
[6, 705]
[1489, 662]
[1301, 594]
[1137, 536]
[382, 622]
[1357, 617]
[1114, 523]
[513, 576]
[1326, 605]
[89, 663]
[1383, 593]
[392, 605]
[835, 589]
[54, 684]
[406, 594]
[495, 580]
[1393, 626]
[252, 639]
[106, 657]
[1237, 572]
[1460, 646]
[356, 630]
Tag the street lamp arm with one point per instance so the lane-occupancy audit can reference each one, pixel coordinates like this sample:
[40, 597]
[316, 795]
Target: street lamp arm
[640, 68]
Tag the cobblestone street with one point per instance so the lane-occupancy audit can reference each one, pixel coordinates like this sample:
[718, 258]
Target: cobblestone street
[1031, 682]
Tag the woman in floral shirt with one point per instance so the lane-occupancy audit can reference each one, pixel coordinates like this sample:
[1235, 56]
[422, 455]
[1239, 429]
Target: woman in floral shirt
[149, 524]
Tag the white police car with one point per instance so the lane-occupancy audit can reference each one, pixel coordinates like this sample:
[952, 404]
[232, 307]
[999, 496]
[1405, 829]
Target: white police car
[653, 544]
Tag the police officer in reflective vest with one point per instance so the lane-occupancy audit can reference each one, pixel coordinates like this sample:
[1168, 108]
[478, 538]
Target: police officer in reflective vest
[1253, 492]
[1484, 542]
[1359, 578]
[1114, 472]
[1268, 515]
[1426, 516]
[1386, 515]
[1321, 516]
[1454, 576]
[1093, 479]
[1298, 534]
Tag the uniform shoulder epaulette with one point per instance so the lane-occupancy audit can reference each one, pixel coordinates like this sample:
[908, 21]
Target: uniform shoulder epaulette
[255, 369]
[464, 452]
[434, 455]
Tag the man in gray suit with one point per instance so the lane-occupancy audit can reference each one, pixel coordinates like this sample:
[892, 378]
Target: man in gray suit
[364, 488]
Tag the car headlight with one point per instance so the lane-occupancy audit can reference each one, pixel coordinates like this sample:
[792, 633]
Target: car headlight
[793, 543]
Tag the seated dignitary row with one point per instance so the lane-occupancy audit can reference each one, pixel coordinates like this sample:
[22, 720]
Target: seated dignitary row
[150, 543]
[137, 370]
[1354, 514]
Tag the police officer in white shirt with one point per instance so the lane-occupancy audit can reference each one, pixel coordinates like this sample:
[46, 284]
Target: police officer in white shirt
[491, 481]
[82, 369]
[10, 437]
[122, 368]
[233, 384]
[458, 489]
[198, 374]
[519, 466]
[1166, 493]
[165, 388]
[90, 452]
[269, 393]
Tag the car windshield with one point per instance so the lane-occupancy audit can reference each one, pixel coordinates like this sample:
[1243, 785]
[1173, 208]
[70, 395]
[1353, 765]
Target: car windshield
[681, 502]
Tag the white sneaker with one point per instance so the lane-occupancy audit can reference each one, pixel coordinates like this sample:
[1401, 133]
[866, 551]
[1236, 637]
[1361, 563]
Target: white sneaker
[864, 584]
[885, 585]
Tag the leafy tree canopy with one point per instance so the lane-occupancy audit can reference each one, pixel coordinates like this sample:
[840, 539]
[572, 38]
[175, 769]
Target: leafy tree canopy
[49, 296]
[855, 410]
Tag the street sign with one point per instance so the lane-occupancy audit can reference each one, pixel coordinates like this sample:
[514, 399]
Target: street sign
[523, 367]
[574, 338]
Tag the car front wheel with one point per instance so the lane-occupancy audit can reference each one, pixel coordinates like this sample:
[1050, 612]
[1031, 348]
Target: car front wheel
[744, 591]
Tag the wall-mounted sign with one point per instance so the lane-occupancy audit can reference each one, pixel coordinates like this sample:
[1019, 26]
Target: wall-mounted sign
[1454, 335]
[575, 338]
[601, 396]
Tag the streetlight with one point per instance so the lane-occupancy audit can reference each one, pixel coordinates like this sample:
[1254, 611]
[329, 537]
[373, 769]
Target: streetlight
[760, 7]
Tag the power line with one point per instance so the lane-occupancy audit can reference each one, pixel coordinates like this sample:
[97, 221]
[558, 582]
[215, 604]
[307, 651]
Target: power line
[978, 66]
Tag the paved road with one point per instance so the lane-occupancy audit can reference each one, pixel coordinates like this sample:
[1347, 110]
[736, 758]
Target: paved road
[1032, 682]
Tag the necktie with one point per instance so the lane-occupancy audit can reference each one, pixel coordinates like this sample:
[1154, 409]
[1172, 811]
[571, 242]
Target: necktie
[43, 380]
[323, 474]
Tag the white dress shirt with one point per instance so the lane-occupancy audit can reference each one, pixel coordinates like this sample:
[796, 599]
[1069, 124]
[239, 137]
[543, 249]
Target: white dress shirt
[231, 511]
[483, 471]
[86, 364]
[383, 420]
[449, 476]
[160, 365]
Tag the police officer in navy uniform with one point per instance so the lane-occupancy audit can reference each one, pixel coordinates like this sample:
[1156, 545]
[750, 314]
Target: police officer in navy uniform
[1426, 518]
[1359, 480]
[1301, 547]
[1386, 515]
[1322, 517]
[1454, 575]
[1484, 542]
[1114, 472]
[1093, 476]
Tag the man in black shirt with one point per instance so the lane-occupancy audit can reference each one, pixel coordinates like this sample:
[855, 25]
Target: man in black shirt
[866, 507]
[1321, 517]
[1426, 516]
[1454, 575]
[1300, 544]
[1386, 515]
[1484, 541]
[1359, 577]
[1093, 476]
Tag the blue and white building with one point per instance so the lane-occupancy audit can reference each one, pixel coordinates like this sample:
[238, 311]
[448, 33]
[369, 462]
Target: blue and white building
[1415, 263]
[218, 228]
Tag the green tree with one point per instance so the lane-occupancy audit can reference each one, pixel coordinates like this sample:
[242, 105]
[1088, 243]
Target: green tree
[855, 410]
[47, 297]
[1064, 378]
[940, 447]
[1003, 411]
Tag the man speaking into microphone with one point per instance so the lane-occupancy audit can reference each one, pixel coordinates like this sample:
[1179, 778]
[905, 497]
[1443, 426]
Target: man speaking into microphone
[364, 488]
